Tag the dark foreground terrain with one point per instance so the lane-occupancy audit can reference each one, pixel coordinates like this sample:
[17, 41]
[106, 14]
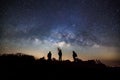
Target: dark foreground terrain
[27, 67]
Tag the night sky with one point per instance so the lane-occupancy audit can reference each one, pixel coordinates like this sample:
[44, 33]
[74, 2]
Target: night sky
[35, 27]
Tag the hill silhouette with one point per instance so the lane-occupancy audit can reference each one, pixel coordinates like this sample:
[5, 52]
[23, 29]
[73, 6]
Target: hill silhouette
[26, 66]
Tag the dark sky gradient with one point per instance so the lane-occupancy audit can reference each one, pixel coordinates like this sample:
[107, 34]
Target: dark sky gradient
[65, 23]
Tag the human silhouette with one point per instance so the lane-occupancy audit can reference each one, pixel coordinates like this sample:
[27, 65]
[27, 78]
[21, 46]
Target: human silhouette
[74, 56]
[49, 55]
[60, 54]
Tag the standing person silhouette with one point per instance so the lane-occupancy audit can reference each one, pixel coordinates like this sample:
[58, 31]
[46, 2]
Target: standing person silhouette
[49, 56]
[60, 54]
[74, 56]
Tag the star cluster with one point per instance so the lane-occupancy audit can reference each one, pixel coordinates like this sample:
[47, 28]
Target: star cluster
[35, 24]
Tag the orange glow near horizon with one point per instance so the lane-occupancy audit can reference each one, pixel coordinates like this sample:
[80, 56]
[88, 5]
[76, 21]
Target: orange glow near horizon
[85, 54]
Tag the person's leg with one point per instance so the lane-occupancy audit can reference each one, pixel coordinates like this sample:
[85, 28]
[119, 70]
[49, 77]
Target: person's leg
[59, 58]
[74, 59]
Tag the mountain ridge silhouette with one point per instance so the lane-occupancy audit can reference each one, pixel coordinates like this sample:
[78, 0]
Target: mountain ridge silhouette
[26, 66]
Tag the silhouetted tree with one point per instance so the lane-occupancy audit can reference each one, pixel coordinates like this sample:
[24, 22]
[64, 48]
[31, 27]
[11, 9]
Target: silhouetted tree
[74, 56]
[60, 54]
[49, 55]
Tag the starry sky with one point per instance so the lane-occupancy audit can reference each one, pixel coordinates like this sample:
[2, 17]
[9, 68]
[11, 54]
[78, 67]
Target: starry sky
[35, 27]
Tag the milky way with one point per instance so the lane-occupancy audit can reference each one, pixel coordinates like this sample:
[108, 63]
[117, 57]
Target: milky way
[42, 25]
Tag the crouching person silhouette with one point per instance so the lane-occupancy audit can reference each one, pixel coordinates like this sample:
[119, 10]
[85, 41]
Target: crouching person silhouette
[74, 56]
